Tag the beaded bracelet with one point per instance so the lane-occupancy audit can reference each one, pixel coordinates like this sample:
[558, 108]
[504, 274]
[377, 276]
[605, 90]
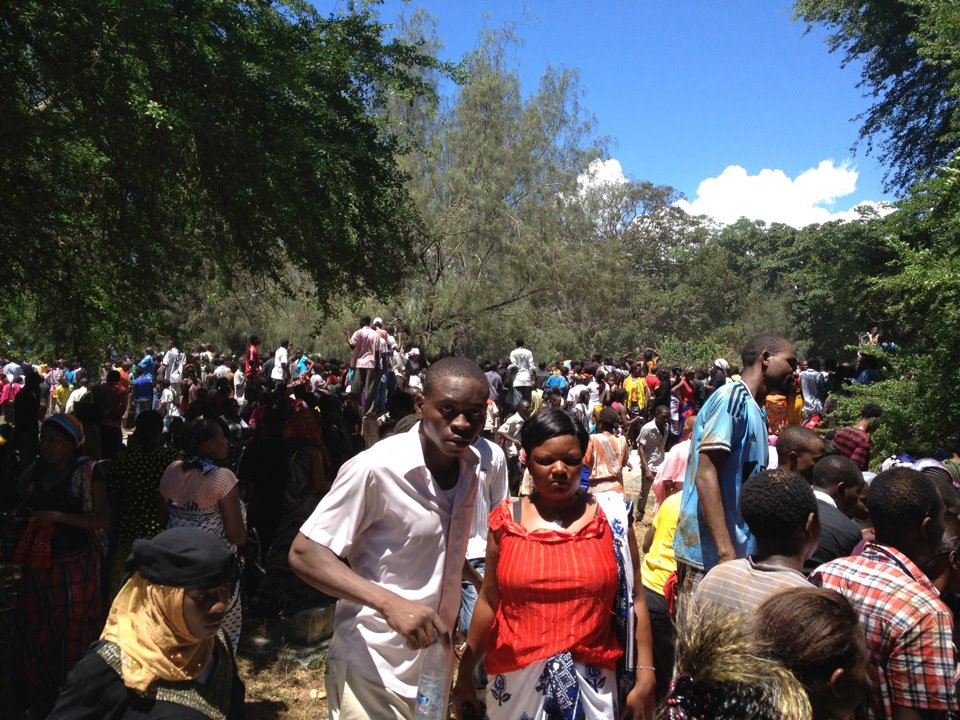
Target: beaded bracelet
[646, 667]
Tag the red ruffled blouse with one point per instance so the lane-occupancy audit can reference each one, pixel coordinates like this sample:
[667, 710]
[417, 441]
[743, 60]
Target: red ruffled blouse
[557, 591]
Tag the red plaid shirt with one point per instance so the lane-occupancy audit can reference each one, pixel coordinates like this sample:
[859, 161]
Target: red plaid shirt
[908, 629]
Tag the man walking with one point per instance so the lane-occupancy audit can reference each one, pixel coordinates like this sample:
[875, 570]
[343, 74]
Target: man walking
[399, 514]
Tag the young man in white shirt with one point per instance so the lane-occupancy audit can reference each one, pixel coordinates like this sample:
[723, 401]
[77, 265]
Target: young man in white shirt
[281, 364]
[171, 368]
[400, 514]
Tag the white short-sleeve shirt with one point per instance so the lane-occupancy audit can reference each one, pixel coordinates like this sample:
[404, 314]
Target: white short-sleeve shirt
[492, 489]
[388, 517]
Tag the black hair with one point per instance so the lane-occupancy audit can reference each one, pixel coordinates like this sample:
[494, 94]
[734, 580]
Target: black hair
[197, 432]
[451, 367]
[149, 423]
[795, 438]
[543, 426]
[870, 411]
[759, 344]
[365, 320]
[811, 631]
[519, 341]
[113, 376]
[776, 504]
[608, 417]
[659, 408]
[951, 499]
[900, 498]
[832, 470]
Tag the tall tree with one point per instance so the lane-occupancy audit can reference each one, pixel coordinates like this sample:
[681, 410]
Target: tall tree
[909, 72]
[148, 146]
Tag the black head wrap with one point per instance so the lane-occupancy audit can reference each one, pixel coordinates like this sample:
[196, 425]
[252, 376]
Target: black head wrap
[183, 557]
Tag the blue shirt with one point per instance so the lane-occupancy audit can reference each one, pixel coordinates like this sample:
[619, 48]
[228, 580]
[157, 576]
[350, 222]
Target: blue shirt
[730, 420]
[147, 365]
[301, 366]
[143, 387]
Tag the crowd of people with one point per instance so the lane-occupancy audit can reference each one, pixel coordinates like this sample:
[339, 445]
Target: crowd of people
[782, 571]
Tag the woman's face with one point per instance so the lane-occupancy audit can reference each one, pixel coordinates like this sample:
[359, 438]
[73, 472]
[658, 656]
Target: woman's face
[203, 610]
[55, 448]
[555, 467]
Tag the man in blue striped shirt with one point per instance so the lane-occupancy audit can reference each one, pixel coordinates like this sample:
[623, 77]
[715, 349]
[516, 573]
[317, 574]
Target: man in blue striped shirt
[728, 446]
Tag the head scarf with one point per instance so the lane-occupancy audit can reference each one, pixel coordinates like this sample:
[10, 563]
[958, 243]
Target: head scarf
[69, 426]
[146, 619]
[302, 425]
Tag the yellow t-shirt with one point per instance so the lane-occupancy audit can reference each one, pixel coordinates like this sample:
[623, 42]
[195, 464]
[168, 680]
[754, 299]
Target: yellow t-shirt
[61, 394]
[660, 562]
[636, 391]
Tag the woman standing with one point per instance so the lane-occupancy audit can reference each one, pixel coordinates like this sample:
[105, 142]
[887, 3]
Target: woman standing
[607, 454]
[133, 480]
[197, 492]
[549, 618]
[58, 608]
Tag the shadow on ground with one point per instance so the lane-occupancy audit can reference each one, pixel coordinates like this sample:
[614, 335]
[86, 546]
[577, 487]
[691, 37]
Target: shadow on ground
[265, 709]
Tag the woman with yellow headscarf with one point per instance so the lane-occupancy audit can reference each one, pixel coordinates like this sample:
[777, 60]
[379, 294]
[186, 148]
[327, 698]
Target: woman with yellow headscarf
[162, 653]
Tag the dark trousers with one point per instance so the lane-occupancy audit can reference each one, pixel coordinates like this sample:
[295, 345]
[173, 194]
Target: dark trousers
[366, 382]
[661, 628]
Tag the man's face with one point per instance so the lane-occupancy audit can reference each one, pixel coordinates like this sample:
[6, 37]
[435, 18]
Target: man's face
[851, 497]
[808, 457]
[661, 419]
[778, 370]
[453, 414]
[523, 409]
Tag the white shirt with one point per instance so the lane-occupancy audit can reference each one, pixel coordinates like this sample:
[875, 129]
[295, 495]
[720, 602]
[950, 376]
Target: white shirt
[279, 360]
[821, 495]
[491, 491]
[74, 398]
[388, 517]
[523, 359]
[512, 427]
[173, 361]
[239, 386]
[168, 403]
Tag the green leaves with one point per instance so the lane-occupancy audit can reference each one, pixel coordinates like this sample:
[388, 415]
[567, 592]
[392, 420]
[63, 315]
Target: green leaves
[145, 142]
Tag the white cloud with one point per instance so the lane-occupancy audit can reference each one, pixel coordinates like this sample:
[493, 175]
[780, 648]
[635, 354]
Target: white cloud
[772, 196]
[601, 174]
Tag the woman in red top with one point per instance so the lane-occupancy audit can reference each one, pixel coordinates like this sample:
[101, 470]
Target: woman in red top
[546, 618]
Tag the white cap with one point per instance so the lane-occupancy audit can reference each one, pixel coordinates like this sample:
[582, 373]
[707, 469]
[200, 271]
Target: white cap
[722, 364]
[413, 351]
[378, 321]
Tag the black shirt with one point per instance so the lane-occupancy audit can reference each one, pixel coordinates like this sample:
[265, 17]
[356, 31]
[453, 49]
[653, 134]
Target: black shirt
[839, 535]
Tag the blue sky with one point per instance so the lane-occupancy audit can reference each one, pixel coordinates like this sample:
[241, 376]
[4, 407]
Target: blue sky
[689, 88]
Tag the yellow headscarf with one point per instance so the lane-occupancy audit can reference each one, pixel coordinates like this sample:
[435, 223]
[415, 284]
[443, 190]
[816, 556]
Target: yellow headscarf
[146, 622]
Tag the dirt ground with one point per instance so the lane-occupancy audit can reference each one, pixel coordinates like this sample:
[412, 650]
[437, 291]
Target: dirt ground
[284, 691]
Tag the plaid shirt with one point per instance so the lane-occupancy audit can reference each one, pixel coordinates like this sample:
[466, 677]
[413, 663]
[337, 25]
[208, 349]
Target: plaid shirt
[908, 629]
[855, 444]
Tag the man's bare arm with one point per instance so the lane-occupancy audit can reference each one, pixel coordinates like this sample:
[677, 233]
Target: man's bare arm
[709, 467]
[319, 567]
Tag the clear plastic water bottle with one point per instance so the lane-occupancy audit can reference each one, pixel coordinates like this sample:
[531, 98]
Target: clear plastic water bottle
[433, 683]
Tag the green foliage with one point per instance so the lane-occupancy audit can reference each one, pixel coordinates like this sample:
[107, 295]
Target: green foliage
[151, 147]
[906, 72]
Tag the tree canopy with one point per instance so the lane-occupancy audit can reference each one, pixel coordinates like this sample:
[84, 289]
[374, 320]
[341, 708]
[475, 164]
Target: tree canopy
[908, 51]
[146, 149]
